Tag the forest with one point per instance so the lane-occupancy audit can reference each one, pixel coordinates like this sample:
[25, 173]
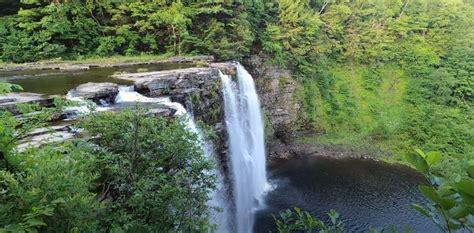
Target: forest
[388, 75]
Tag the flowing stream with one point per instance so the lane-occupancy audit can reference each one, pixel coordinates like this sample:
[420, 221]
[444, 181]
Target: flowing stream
[246, 146]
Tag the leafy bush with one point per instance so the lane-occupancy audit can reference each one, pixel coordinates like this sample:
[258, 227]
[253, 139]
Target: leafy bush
[452, 202]
[50, 190]
[152, 172]
[302, 221]
[137, 173]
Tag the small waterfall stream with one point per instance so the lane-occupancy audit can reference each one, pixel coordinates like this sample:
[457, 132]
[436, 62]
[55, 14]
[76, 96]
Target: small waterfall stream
[246, 144]
[218, 197]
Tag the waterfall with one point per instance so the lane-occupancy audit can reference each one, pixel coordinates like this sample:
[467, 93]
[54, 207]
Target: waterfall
[247, 148]
[218, 197]
[128, 94]
[81, 106]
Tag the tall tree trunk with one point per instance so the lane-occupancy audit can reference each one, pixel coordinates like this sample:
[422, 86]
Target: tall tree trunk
[174, 38]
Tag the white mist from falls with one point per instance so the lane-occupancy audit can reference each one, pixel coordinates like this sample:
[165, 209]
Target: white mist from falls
[245, 128]
[218, 197]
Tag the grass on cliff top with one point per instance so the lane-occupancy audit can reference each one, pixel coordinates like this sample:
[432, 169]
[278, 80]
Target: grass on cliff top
[117, 59]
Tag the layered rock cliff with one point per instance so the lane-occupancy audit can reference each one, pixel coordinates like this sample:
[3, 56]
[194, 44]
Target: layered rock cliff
[276, 89]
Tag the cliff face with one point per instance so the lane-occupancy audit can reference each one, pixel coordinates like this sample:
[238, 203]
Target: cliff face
[197, 89]
[200, 90]
[276, 89]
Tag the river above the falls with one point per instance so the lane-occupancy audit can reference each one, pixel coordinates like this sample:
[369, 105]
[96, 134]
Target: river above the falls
[59, 82]
[364, 192]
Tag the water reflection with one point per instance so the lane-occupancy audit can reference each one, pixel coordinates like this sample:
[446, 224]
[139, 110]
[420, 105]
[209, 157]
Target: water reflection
[364, 192]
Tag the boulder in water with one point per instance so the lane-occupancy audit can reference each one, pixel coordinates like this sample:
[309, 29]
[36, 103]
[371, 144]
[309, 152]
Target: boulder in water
[97, 91]
[176, 81]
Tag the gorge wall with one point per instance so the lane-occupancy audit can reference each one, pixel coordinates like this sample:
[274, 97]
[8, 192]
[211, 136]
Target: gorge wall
[276, 89]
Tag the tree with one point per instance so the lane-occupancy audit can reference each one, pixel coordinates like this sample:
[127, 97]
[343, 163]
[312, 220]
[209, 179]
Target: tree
[152, 172]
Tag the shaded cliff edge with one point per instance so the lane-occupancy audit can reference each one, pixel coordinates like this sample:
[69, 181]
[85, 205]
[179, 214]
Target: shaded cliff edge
[284, 119]
[276, 89]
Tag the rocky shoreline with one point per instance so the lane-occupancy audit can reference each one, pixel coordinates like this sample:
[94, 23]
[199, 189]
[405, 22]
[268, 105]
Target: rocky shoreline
[292, 149]
[71, 66]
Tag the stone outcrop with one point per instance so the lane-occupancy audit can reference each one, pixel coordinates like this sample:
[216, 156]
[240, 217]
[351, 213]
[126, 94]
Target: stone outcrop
[276, 89]
[196, 88]
[155, 109]
[97, 91]
[45, 136]
[74, 67]
[9, 101]
[199, 89]
[291, 150]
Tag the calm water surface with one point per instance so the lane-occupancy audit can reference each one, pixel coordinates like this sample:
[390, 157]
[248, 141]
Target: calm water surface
[364, 192]
[52, 82]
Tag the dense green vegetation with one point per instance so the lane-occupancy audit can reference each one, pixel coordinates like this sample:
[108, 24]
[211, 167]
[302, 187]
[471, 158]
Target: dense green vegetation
[394, 74]
[390, 74]
[397, 74]
[452, 201]
[136, 173]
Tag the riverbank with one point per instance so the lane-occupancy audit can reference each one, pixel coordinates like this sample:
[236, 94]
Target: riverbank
[114, 61]
[305, 144]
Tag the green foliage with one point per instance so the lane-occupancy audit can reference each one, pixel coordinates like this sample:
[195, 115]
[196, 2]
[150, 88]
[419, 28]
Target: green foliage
[48, 32]
[13, 129]
[44, 188]
[49, 191]
[152, 172]
[138, 173]
[74, 29]
[302, 221]
[389, 74]
[452, 202]
[8, 87]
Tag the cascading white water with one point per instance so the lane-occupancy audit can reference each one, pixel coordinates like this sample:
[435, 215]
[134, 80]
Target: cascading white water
[247, 148]
[128, 94]
[217, 197]
[82, 106]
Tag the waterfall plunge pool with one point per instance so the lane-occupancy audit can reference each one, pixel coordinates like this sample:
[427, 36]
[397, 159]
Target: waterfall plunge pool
[364, 192]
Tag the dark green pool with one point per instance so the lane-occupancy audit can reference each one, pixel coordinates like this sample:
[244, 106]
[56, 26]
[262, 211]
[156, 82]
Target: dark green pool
[365, 193]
